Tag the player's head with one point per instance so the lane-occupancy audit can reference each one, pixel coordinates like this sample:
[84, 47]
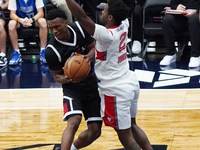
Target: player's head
[57, 24]
[115, 10]
[56, 13]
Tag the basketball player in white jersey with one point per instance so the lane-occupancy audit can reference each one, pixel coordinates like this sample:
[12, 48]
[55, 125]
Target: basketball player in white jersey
[118, 86]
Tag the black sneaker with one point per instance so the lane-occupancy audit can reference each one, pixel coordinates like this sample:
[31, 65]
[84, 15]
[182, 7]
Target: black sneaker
[3, 60]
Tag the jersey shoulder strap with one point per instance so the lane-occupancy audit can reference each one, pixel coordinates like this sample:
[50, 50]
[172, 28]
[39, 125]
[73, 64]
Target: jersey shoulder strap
[80, 28]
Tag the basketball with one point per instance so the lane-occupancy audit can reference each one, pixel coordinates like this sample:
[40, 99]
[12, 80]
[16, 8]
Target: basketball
[76, 68]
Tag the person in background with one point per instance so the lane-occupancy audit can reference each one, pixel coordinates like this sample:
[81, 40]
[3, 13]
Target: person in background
[118, 85]
[26, 14]
[173, 24]
[61, 4]
[3, 34]
[137, 26]
[78, 97]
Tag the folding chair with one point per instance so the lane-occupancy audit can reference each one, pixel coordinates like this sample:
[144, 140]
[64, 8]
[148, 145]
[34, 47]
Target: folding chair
[152, 31]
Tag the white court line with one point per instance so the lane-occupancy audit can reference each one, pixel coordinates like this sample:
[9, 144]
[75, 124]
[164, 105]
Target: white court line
[24, 108]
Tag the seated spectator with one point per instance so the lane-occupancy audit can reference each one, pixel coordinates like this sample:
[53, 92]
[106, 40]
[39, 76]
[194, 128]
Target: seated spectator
[138, 23]
[61, 4]
[137, 26]
[26, 14]
[176, 24]
[3, 35]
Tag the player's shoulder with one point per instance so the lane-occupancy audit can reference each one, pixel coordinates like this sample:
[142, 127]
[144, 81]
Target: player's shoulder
[79, 29]
[75, 26]
[52, 44]
[126, 22]
[51, 41]
[72, 24]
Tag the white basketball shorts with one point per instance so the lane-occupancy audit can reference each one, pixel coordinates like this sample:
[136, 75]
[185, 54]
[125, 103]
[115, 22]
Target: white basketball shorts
[119, 101]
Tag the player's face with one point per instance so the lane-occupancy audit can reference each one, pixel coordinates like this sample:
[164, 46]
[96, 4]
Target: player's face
[104, 17]
[58, 27]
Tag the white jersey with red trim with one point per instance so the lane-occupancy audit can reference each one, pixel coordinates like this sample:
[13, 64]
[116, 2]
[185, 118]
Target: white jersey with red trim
[111, 56]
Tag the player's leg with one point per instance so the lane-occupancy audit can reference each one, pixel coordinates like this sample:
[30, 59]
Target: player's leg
[42, 24]
[72, 114]
[140, 136]
[88, 136]
[127, 140]
[91, 111]
[69, 133]
[117, 115]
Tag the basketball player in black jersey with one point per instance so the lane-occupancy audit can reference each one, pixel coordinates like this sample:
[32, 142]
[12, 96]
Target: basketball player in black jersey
[81, 97]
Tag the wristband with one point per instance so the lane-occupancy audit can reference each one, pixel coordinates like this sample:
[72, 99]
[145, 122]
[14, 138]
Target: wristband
[1, 8]
[33, 19]
[17, 19]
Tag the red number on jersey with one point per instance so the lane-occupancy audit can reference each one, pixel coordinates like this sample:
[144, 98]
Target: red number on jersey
[122, 44]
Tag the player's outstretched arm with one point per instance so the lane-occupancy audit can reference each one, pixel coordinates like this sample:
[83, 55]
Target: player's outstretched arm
[81, 16]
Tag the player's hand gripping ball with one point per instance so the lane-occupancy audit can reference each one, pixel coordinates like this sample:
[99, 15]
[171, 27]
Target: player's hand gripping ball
[76, 68]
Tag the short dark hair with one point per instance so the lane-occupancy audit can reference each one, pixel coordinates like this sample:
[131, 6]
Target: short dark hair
[118, 9]
[56, 13]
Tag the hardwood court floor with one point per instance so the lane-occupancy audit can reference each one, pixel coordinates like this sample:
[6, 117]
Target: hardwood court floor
[34, 116]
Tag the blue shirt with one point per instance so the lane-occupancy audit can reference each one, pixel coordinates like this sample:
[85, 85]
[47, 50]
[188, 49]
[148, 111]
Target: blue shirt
[26, 9]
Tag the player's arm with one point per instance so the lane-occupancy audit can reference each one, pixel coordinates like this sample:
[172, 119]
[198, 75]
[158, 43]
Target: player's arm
[40, 14]
[5, 5]
[91, 54]
[59, 76]
[13, 15]
[55, 67]
[81, 16]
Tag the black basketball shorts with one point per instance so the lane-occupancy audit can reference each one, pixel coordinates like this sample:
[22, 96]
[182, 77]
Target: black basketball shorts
[82, 98]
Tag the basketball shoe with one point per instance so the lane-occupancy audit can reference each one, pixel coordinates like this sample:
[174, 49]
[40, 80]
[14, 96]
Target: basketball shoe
[15, 58]
[168, 59]
[194, 62]
[136, 48]
[42, 56]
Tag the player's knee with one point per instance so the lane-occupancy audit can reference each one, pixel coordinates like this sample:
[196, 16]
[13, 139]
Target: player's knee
[95, 131]
[95, 134]
[12, 25]
[42, 23]
[73, 123]
[73, 126]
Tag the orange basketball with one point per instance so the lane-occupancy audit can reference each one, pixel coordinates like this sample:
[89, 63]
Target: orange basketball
[76, 68]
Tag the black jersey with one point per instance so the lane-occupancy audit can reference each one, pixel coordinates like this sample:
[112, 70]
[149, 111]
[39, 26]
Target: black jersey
[77, 97]
[57, 52]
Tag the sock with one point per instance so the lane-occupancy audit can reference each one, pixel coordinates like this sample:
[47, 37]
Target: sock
[17, 50]
[73, 147]
[41, 49]
[2, 54]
